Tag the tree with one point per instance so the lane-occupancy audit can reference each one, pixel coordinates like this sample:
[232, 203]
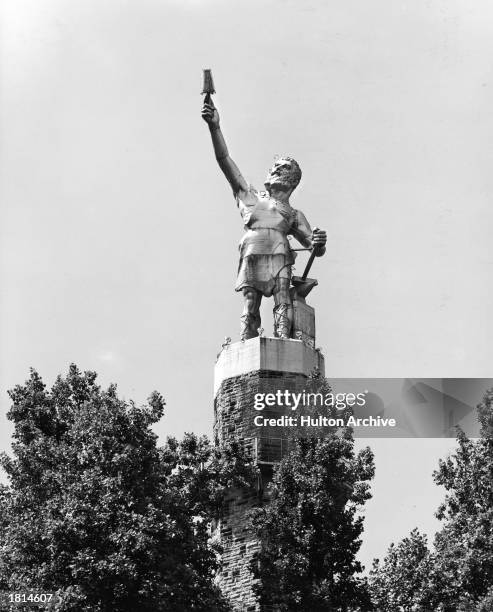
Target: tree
[401, 582]
[310, 531]
[96, 510]
[457, 575]
[464, 547]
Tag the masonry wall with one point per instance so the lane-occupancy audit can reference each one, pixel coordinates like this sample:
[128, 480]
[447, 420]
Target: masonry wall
[234, 415]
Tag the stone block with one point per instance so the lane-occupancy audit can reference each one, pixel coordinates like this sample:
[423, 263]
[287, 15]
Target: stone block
[303, 321]
[268, 354]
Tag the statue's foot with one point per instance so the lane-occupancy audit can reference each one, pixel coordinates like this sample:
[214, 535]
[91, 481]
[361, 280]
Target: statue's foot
[247, 336]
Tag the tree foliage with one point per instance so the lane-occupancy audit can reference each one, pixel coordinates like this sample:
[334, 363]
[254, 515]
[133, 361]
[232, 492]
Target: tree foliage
[457, 574]
[310, 531]
[401, 581]
[96, 510]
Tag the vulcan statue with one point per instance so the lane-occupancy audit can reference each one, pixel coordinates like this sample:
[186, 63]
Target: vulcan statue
[266, 256]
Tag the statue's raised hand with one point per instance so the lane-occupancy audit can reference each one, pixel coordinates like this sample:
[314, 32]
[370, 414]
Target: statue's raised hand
[210, 114]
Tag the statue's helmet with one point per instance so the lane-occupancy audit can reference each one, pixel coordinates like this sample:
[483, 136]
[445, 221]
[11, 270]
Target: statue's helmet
[285, 173]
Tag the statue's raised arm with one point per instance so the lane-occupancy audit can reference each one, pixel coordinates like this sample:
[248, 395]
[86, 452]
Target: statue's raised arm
[227, 165]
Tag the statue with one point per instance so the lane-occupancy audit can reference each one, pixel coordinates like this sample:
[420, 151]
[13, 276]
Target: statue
[265, 253]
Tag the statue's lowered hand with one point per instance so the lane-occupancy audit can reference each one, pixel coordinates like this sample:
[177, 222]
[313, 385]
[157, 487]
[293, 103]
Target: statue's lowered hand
[210, 114]
[319, 239]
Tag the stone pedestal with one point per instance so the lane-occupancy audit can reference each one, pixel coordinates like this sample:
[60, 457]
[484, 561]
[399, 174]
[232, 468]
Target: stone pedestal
[244, 369]
[269, 355]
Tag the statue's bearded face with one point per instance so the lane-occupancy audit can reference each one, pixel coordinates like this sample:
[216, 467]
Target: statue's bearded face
[285, 174]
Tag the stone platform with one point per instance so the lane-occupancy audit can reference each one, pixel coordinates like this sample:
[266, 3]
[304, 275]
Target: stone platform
[267, 354]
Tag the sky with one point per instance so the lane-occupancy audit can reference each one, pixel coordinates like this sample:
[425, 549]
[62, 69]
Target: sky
[118, 234]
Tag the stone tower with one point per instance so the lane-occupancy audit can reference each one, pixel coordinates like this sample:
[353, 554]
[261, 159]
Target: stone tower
[244, 369]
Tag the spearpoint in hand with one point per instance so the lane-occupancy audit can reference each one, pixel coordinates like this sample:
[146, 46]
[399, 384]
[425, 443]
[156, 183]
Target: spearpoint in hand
[208, 87]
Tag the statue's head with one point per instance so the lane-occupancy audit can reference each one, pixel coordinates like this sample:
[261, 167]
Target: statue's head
[285, 174]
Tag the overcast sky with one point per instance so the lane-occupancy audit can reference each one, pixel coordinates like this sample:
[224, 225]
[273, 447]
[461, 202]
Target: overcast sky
[119, 236]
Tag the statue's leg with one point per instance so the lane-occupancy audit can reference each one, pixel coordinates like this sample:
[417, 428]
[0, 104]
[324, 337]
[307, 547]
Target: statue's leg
[283, 310]
[250, 319]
